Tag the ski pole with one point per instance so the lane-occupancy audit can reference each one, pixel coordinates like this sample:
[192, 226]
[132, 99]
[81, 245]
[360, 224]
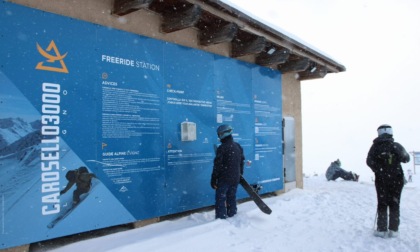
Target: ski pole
[376, 217]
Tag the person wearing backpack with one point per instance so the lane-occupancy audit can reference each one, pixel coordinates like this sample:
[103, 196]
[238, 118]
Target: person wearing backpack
[83, 180]
[384, 158]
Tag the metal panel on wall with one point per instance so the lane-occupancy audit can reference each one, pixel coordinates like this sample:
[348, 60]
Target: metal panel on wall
[139, 113]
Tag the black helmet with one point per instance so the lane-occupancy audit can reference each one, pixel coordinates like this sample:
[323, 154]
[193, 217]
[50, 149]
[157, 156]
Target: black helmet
[71, 175]
[224, 130]
[83, 169]
[384, 129]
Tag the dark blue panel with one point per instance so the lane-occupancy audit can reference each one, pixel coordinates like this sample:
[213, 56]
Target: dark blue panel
[188, 98]
[49, 107]
[129, 84]
[268, 128]
[233, 90]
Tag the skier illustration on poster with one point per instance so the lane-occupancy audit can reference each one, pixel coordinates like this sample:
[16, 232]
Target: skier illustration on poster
[84, 185]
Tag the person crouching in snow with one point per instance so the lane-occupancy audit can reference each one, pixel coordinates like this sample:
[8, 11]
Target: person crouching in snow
[83, 180]
[335, 171]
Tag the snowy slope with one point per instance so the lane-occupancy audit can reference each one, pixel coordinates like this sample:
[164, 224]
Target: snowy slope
[325, 216]
[13, 129]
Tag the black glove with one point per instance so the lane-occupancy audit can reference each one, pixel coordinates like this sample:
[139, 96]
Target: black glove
[213, 183]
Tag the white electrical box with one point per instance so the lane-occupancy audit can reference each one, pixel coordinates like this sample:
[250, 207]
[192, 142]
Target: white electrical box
[188, 131]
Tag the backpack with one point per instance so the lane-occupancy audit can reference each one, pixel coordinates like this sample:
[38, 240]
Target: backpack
[84, 178]
[387, 157]
[74, 175]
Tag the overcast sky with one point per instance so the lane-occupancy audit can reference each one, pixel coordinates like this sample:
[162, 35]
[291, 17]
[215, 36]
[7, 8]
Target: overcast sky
[378, 41]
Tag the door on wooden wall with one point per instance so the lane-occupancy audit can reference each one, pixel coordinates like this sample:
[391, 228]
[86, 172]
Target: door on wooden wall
[289, 149]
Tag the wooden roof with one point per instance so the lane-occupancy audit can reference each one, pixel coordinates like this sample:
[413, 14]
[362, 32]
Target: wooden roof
[218, 22]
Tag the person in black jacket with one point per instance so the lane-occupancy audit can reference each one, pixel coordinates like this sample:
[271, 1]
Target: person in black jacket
[384, 158]
[83, 180]
[227, 170]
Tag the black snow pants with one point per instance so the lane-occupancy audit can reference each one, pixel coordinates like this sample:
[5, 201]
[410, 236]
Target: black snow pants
[79, 191]
[388, 192]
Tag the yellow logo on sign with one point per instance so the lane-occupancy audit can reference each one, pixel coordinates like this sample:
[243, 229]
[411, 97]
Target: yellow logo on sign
[51, 58]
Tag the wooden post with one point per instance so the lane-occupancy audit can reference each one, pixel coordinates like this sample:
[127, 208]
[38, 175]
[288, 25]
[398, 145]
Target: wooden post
[414, 161]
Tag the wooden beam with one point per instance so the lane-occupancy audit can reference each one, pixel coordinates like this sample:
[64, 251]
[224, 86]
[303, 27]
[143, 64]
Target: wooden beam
[314, 73]
[179, 20]
[215, 35]
[124, 7]
[282, 40]
[242, 47]
[279, 56]
[297, 65]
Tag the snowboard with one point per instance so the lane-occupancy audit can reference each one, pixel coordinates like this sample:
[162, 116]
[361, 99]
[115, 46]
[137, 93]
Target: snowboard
[64, 214]
[254, 196]
[252, 193]
[69, 210]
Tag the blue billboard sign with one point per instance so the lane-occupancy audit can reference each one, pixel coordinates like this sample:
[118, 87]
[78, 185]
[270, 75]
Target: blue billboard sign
[100, 127]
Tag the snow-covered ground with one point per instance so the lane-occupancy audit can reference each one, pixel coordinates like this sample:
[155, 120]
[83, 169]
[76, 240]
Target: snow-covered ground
[324, 216]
